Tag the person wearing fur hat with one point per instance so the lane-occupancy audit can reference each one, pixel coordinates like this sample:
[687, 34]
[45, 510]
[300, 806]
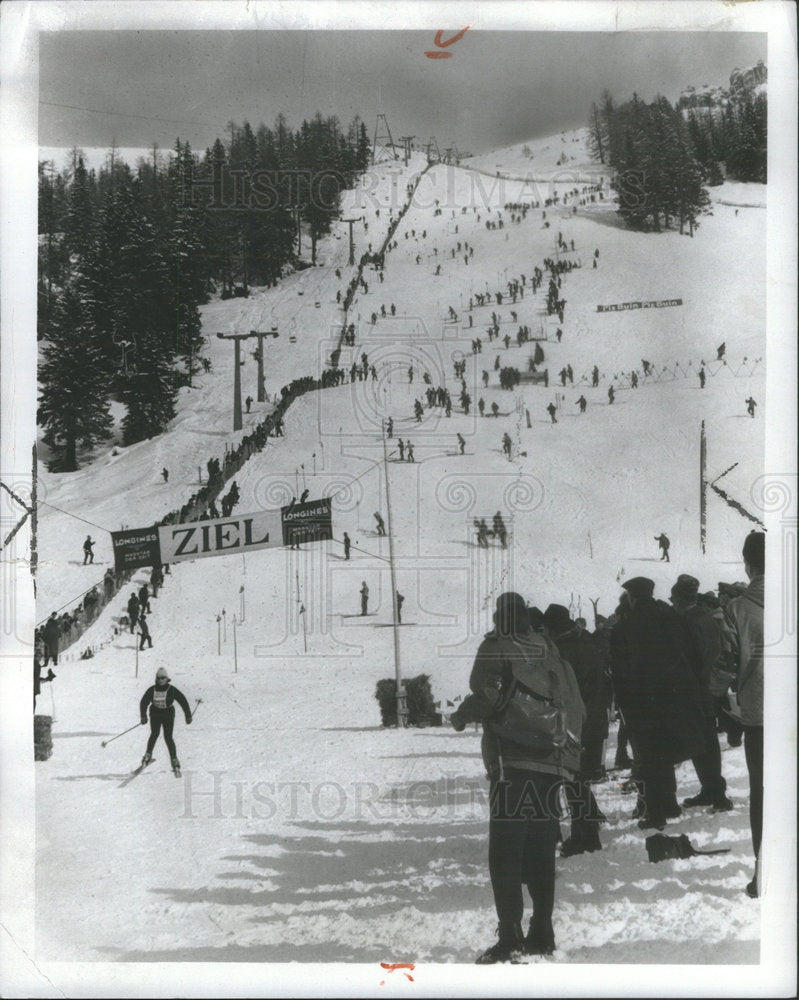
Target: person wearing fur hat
[684, 599]
[656, 668]
[588, 658]
[160, 698]
[744, 636]
[524, 782]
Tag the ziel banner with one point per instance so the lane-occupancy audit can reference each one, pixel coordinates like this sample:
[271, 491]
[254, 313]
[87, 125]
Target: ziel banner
[307, 522]
[653, 304]
[135, 547]
[220, 536]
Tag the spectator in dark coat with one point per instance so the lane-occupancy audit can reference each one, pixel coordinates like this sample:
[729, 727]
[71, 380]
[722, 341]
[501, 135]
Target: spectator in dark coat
[588, 659]
[656, 668]
[707, 764]
[144, 631]
[51, 633]
[144, 600]
[38, 680]
[133, 611]
[744, 636]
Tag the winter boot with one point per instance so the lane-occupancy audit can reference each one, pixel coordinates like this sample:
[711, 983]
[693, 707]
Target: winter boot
[146, 759]
[507, 949]
[540, 939]
[721, 804]
[175, 764]
[702, 799]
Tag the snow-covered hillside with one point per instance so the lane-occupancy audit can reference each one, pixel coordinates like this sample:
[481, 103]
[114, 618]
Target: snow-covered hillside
[301, 830]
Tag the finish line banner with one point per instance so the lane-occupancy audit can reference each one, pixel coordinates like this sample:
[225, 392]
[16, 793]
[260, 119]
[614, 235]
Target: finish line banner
[624, 306]
[220, 536]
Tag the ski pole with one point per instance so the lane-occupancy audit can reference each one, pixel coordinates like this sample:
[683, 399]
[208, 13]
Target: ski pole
[196, 704]
[106, 742]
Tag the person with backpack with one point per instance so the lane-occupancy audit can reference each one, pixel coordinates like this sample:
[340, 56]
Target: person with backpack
[160, 698]
[585, 656]
[526, 697]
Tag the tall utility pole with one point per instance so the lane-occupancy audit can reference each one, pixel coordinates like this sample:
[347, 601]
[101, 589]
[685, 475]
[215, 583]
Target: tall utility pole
[352, 241]
[260, 334]
[237, 338]
[406, 141]
[702, 488]
[402, 701]
[382, 141]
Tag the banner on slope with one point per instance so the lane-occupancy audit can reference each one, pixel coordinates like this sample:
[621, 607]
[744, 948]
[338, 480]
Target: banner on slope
[653, 304]
[307, 522]
[135, 547]
[220, 536]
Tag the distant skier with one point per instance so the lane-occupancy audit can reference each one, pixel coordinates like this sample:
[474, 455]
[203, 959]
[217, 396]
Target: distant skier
[165, 474]
[647, 366]
[750, 406]
[634, 380]
[702, 377]
[721, 350]
[500, 531]
[390, 428]
[409, 452]
[507, 444]
[304, 496]
[552, 410]
[611, 395]
[400, 602]
[595, 377]
[88, 555]
[249, 402]
[495, 409]
[461, 443]
[664, 544]
[582, 402]
[381, 528]
[481, 406]
[401, 449]
[347, 544]
[160, 698]
[364, 597]
[482, 532]
[410, 374]
[559, 334]
[144, 632]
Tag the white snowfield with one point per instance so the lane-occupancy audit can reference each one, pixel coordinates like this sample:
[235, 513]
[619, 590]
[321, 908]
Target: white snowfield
[301, 830]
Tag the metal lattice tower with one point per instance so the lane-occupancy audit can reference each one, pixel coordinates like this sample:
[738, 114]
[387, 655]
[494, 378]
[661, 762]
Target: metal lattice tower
[383, 144]
[406, 141]
[433, 152]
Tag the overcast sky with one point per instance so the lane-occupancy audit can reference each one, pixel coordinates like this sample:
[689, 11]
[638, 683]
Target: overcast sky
[499, 88]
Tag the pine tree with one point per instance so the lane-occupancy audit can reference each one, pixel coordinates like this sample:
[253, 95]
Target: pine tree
[149, 392]
[73, 406]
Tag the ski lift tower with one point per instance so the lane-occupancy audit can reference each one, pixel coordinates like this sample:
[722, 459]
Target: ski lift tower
[383, 144]
[433, 151]
[406, 141]
[352, 241]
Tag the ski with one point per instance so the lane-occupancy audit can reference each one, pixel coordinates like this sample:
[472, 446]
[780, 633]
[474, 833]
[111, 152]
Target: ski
[136, 772]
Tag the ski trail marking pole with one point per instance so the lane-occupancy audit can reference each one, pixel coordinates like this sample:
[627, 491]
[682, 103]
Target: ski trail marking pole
[136, 647]
[105, 743]
[52, 702]
[235, 649]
